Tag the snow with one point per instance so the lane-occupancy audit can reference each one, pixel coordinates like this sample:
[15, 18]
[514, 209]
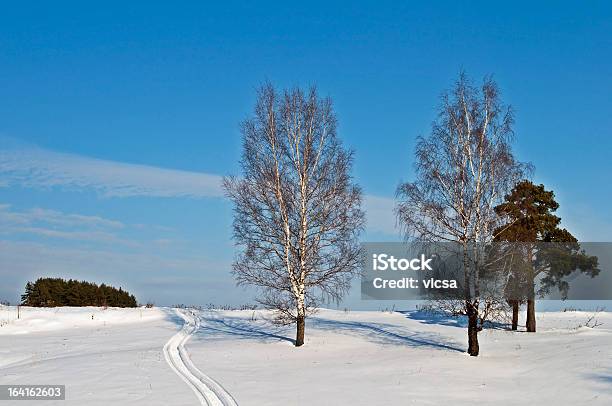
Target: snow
[372, 358]
[115, 359]
[208, 391]
[350, 358]
[48, 319]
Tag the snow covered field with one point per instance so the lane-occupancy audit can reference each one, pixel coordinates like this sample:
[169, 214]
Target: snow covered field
[350, 358]
[116, 358]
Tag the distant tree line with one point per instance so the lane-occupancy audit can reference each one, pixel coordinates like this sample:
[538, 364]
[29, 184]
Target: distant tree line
[51, 292]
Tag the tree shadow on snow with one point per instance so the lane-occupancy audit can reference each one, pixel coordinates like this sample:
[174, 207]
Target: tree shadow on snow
[221, 327]
[237, 327]
[437, 318]
[174, 318]
[603, 378]
[386, 334]
[446, 319]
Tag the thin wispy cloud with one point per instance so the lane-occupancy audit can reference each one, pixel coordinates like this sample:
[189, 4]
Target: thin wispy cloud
[94, 236]
[58, 225]
[38, 168]
[54, 217]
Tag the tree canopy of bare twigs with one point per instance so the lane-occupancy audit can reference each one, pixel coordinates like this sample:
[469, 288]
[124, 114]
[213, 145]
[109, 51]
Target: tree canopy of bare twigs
[463, 170]
[297, 211]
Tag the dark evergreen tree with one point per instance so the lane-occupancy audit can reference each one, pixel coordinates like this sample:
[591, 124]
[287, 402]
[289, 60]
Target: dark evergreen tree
[547, 249]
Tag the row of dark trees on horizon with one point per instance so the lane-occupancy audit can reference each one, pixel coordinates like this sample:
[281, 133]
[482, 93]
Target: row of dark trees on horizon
[298, 216]
[52, 292]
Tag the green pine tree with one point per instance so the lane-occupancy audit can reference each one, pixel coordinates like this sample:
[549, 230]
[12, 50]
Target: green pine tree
[549, 251]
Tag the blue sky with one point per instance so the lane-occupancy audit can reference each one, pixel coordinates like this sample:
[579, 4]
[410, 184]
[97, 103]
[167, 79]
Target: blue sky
[117, 122]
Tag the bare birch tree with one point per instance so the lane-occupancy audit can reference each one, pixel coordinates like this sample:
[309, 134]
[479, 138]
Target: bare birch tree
[463, 170]
[297, 212]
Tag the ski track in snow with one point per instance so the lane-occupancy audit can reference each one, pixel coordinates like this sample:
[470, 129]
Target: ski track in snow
[208, 391]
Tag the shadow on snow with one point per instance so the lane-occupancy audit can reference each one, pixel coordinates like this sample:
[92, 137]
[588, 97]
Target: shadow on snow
[174, 318]
[217, 327]
[243, 328]
[602, 378]
[446, 319]
[383, 333]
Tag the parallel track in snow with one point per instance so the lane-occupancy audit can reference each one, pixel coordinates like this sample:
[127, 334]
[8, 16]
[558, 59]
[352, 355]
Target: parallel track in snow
[208, 391]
